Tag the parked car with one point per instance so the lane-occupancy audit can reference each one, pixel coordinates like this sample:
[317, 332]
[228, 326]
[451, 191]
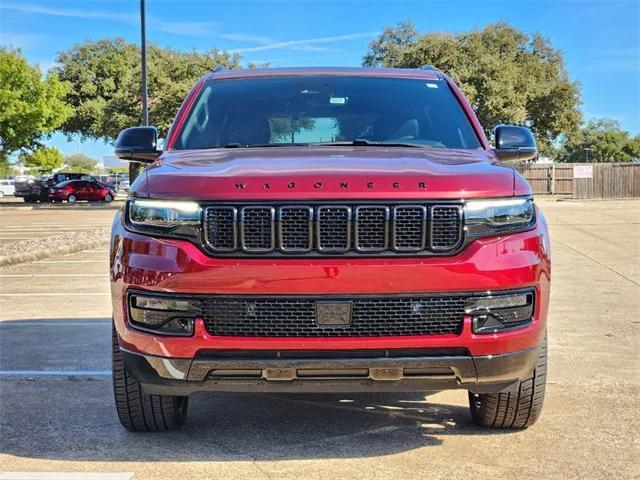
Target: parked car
[37, 189]
[7, 188]
[328, 230]
[75, 190]
[124, 185]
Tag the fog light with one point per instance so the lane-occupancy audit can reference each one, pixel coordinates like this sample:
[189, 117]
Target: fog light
[500, 312]
[163, 315]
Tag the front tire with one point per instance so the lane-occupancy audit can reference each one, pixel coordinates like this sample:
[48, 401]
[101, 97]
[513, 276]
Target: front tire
[137, 411]
[72, 198]
[108, 198]
[516, 409]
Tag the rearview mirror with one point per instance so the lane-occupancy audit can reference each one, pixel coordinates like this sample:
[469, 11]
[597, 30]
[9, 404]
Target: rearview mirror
[514, 144]
[138, 144]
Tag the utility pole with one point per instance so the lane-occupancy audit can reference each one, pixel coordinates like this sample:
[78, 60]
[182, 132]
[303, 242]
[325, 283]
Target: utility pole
[134, 167]
[143, 73]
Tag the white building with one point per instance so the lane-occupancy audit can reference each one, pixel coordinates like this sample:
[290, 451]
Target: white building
[111, 161]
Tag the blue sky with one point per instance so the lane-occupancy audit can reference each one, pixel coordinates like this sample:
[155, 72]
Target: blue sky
[600, 39]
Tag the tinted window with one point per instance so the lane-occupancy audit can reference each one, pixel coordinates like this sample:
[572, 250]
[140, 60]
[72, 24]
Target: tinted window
[310, 109]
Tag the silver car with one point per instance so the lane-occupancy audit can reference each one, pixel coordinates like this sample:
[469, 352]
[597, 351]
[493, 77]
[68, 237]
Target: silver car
[7, 187]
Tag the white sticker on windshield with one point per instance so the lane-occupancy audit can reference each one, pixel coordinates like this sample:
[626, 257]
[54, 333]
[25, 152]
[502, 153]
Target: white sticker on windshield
[338, 100]
[432, 85]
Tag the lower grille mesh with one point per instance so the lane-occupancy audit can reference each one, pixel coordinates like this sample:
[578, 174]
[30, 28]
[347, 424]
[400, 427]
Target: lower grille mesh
[296, 317]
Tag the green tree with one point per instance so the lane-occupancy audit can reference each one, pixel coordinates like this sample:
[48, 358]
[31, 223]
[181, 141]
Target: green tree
[632, 148]
[105, 80]
[42, 159]
[601, 140]
[30, 106]
[285, 129]
[507, 75]
[81, 163]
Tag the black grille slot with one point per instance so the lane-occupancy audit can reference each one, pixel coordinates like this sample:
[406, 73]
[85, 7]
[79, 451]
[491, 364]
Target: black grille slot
[446, 225]
[221, 228]
[371, 226]
[409, 228]
[296, 317]
[334, 229]
[257, 228]
[296, 229]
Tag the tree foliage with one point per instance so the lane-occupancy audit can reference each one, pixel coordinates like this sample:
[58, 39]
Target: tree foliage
[602, 140]
[30, 106]
[507, 75]
[42, 159]
[81, 163]
[285, 129]
[105, 79]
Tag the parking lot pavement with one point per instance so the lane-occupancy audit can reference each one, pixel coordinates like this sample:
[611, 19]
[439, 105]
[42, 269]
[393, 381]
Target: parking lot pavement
[23, 222]
[56, 411]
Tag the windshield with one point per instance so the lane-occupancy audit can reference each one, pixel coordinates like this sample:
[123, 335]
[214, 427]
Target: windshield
[285, 111]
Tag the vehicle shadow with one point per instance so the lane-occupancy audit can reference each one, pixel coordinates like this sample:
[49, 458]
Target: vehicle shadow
[73, 418]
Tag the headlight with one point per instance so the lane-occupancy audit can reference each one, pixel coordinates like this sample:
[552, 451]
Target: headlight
[494, 217]
[164, 218]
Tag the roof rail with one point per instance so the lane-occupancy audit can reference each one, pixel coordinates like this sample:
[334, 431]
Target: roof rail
[429, 67]
[219, 68]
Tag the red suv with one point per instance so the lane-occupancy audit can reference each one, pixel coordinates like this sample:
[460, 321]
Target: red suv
[328, 230]
[74, 190]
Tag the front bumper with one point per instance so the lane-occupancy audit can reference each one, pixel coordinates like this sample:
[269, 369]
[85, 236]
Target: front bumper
[411, 372]
[494, 264]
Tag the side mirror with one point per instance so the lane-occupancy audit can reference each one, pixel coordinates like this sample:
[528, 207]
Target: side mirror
[514, 144]
[138, 144]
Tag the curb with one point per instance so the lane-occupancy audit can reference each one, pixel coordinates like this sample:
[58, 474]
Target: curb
[41, 254]
[115, 205]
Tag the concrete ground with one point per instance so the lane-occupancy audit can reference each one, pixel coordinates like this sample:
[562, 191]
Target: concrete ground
[20, 221]
[57, 414]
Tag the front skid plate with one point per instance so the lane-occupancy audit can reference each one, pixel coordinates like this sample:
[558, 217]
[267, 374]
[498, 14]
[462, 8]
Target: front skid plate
[161, 375]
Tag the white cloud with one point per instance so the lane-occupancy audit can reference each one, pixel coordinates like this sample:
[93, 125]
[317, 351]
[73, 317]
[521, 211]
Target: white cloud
[265, 43]
[190, 29]
[310, 44]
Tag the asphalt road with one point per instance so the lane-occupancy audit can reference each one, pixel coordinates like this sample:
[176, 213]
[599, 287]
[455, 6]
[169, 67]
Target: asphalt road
[57, 415]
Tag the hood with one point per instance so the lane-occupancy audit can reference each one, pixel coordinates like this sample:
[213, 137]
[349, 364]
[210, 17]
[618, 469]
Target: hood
[290, 173]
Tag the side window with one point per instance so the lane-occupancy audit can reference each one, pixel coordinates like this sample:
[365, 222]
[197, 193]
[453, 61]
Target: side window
[193, 133]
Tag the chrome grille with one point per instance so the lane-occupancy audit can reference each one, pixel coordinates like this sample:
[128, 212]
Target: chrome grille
[360, 229]
[296, 316]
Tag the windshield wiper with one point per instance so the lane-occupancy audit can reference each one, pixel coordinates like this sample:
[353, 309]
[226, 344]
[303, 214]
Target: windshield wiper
[262, 145]
[361, 142]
